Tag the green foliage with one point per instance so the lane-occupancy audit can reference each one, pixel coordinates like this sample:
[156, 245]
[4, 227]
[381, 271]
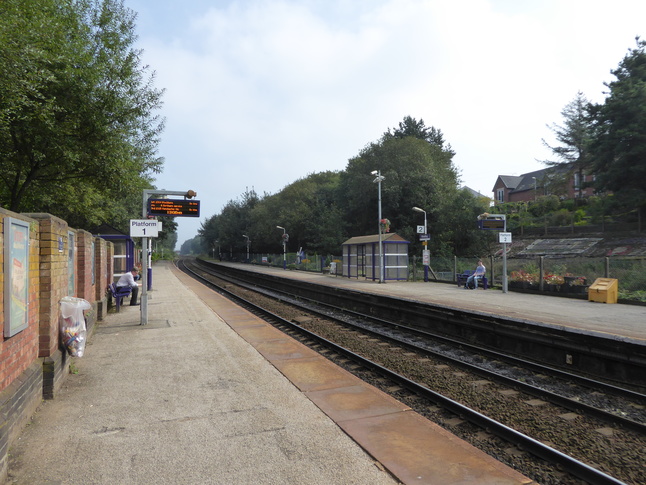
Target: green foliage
[78, 134]
[544, 205]
[561, 217]
[619, 144]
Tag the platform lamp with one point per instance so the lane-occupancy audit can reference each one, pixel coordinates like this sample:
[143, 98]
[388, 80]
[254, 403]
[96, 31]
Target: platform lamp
[248, 243]
[378, 179]
[284, 246]
[424, 243]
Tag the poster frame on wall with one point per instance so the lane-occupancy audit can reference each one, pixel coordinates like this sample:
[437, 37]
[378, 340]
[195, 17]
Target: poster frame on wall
[16, 276]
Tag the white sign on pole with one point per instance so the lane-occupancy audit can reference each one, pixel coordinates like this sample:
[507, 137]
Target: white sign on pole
[426, 257]
[504, 237]
[145, 227]
[421, 229]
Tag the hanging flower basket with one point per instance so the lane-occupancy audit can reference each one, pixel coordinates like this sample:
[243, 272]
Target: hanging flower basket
[384, 224]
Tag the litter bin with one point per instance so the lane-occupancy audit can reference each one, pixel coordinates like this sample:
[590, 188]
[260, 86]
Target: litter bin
[72, 323]
[604, 290]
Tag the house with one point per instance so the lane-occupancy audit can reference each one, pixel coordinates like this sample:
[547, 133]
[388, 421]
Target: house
[475, 193]
[559, 180]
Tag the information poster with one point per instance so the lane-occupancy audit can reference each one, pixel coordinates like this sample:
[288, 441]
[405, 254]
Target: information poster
[16, 270]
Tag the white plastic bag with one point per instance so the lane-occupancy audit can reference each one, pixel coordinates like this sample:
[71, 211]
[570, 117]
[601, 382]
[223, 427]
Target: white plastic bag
[72, 323]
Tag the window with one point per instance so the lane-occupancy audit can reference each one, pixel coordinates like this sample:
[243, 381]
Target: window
[500, 195]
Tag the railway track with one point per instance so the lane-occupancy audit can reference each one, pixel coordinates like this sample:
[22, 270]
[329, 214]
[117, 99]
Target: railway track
[420, 369]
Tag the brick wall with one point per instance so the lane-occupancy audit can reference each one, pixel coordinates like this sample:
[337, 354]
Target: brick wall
[33, 364]
[20, 373]
[21, 350]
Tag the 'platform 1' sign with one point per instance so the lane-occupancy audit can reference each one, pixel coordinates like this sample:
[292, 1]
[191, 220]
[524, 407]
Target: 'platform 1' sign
[145, 227]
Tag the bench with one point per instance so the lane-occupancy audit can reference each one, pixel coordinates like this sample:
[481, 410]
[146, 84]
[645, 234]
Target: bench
[462, 279]
[118, 293]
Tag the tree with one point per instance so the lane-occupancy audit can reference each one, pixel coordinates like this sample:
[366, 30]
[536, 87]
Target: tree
[409, 126]
[574, 138]
[78, 133]
[416, 175]
[228, 227]
[619, 144]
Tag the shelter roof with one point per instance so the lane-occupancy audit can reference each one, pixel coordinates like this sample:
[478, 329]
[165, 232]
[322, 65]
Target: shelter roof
[386, 238]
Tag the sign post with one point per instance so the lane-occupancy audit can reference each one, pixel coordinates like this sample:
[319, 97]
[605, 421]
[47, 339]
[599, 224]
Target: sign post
[498, 222]
[169, 207]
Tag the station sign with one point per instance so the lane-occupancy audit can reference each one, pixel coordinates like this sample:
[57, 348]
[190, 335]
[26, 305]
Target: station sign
[174, 207]
[504, 237]
[145, 227]
[424, 237]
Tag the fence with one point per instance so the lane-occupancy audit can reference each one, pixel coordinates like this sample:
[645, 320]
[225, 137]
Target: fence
[544, 274]
[540, 274]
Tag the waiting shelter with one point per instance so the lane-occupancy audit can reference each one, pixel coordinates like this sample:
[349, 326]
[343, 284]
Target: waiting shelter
[361, 257]
[125, 256]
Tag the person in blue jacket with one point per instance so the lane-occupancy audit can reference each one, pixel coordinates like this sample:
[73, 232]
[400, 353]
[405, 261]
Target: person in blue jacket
[472, 282]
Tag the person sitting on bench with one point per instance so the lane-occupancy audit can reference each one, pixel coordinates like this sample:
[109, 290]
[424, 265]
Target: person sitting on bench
[128, 279]
[472, 281]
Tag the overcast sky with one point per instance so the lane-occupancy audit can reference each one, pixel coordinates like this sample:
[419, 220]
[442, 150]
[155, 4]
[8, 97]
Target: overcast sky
[261, 93]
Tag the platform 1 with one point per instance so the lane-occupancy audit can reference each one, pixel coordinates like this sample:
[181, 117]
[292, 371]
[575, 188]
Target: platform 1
[613, 321]
[207, 393]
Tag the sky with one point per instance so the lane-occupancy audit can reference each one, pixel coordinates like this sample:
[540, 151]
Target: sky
[261, 93]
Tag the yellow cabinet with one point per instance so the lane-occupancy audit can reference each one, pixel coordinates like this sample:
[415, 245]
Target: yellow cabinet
[604, 290]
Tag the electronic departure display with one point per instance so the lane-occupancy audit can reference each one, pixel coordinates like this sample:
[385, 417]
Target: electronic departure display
[492, 224]
[174, 207]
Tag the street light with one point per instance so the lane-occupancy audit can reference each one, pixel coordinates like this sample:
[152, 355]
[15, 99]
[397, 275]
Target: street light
[285, 236]
[248, 243]
[378, 179]
[534, 188]
[424, 243]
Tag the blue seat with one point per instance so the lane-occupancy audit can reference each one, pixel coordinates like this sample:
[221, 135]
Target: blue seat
[117, 293]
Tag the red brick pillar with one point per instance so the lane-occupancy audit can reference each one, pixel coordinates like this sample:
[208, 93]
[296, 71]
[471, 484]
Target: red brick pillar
[102, 270]
[53, 279]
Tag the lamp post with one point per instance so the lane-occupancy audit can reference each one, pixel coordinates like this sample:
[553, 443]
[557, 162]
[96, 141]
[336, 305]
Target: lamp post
[284, 246]
[378, 179]
[248, 243]
[424, 243]
[534, 188]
